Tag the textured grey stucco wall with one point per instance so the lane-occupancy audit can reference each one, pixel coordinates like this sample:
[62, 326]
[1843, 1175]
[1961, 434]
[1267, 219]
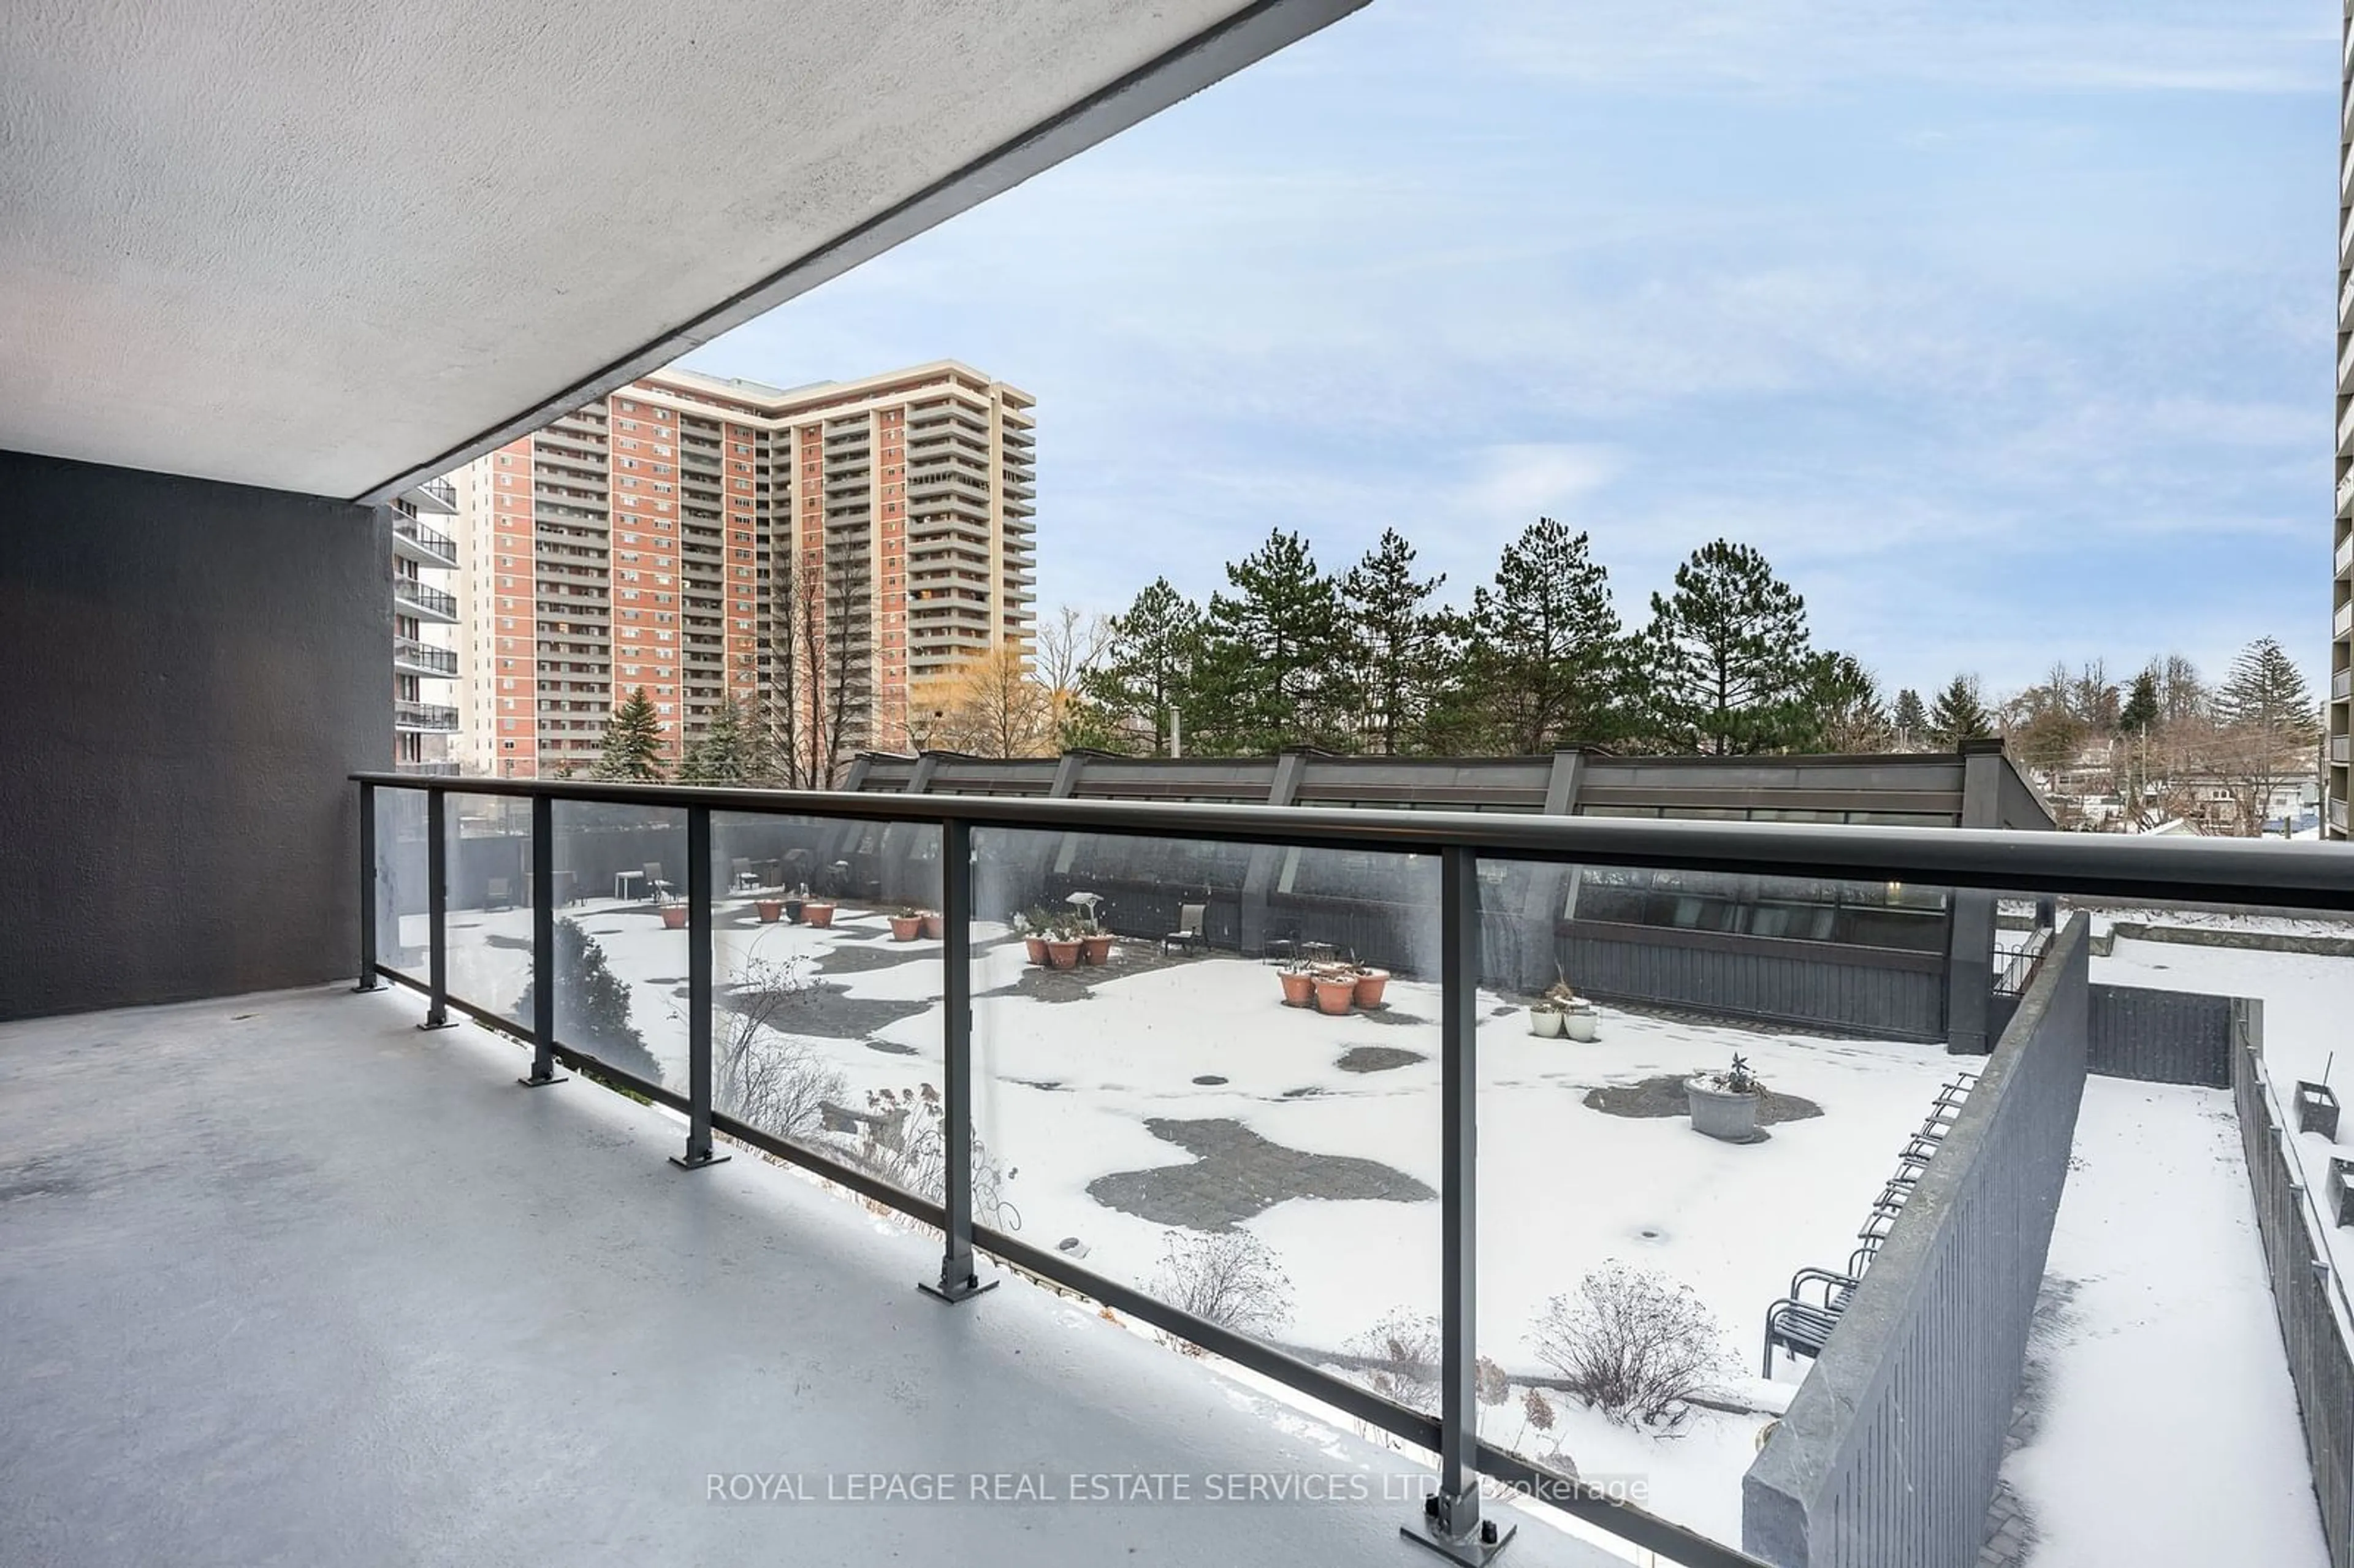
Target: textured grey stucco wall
[191, 670]
[1889, 1450]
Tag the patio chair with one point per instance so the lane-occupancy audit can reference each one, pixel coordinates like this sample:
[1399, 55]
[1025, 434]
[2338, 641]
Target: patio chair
[1190, 920]
[497, 894]
[655, 886]
[1801, 1326]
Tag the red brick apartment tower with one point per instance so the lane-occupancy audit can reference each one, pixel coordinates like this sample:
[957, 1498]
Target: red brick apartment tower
[508, 644]
[646, 586]
[662, 536]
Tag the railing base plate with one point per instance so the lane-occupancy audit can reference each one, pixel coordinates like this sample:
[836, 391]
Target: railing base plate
[1472, 1554]
[445, 1023]
[368, 985]
[542, 1083]
[952, 1293]
[684, 1164]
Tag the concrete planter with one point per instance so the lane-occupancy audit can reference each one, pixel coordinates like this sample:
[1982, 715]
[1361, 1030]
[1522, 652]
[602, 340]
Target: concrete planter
[1544, 1024]
[1731, 1118]
[1581, 1023]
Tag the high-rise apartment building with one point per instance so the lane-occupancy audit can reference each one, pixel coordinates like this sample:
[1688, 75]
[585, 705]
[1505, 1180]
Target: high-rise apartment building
[2336, 773]
[424, 725]
[829, 550]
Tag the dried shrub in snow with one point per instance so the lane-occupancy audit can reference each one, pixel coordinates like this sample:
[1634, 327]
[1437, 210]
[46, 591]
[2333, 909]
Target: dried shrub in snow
[1632, 1343]
[1491, 1384]
[1400, 1360]
[1228, 1277]
[905, 1141]
[759, 1074]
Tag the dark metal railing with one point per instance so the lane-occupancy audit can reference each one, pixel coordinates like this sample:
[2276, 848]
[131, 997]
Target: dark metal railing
[425, 655]
[2305, 876]
[410, 592]
[431, 539]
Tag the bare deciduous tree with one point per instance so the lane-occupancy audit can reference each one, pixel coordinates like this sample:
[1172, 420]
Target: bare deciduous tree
[995, 706]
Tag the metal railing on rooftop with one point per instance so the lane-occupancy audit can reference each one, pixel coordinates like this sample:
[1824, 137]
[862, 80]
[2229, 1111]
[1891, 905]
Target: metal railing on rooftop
[2301, 877]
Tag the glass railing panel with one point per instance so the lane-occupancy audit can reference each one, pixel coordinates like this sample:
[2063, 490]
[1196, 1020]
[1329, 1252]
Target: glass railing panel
[400, 893]
[1210, 1071]
[622, 949]
[488, 841]
[826, 990]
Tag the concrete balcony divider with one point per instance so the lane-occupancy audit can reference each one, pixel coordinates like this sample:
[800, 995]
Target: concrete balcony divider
[1891, 1450]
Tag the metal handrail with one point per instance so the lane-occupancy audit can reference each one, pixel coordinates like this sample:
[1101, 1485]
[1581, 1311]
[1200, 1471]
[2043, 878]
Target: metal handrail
[2218, 870]
[2297, 876]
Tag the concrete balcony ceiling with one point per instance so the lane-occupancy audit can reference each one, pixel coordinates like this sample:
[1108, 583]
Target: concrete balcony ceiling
[336, 251]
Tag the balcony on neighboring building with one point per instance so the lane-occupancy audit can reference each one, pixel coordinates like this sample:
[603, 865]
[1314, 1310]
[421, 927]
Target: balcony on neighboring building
[2341, 685]
[430, 769]
[413, 657]
[425, 603]
[426, 718]
[432, 495]
[412, 540]
[2343, 624]
[2345, 558]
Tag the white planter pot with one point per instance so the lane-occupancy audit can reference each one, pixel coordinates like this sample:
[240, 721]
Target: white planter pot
[1544, 1024]
[1581, 1023]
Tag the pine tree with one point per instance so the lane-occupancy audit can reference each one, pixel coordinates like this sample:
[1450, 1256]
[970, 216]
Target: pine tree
[1394, 642]
[1912, 720]
[1843, 711]
[1958, 716]
[728, 752]
[592, 1005]
[1727, 657]
[2141, 709]
[1145, 674]
[2265, 693]
[632, 745]
[1542, 663]
[1265, 677]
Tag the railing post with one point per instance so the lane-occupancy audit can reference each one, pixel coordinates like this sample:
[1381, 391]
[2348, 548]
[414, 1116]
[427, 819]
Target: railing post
[958, 1276]
[367, 980]
[1451, 1524]
[437, 911]
[542, 944]
[698, 993]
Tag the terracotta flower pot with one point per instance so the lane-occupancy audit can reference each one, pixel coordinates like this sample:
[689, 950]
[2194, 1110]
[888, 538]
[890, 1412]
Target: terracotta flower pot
[673, 916]
[1334, 996]
[1298, 987]
[1037, 948]
[1096, 950]
[817, 914]
[1370, 986]
[768, 909]
[936, 927]
[906, 927]
[1062, 955]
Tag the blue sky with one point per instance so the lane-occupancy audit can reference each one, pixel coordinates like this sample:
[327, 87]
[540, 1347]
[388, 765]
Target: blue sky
[2005, 330]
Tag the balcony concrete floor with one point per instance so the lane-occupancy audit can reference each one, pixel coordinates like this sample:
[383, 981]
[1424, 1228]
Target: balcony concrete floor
[286, 1280]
